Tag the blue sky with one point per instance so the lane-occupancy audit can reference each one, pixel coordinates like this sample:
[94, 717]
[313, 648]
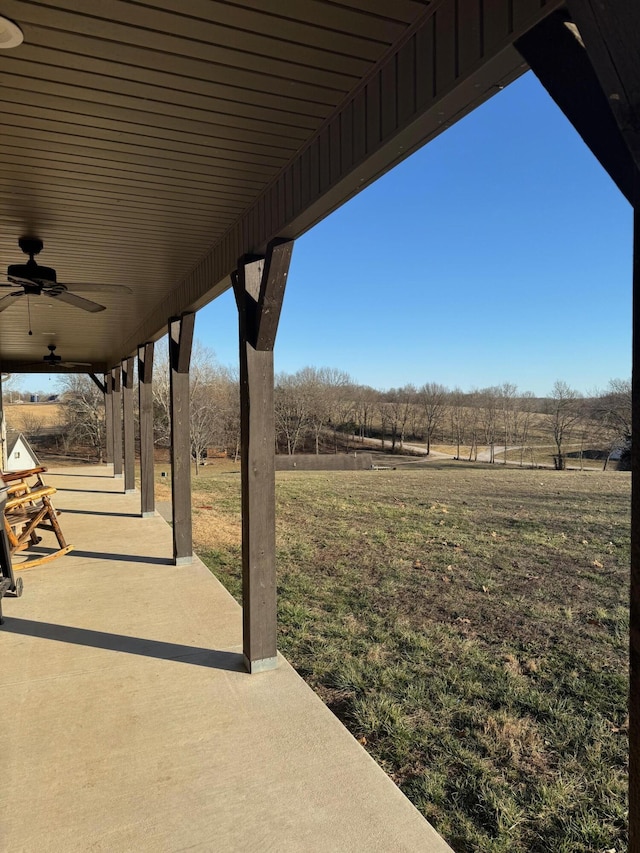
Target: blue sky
[499, 252]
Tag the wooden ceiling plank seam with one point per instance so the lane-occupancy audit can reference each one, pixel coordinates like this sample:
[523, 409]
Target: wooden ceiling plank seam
[200, 184]
[125, 169]
[247, 144]
[399, 142]
[180, 73]
[59, 75]
[189, 239]
[160, 114]
[225, 58]
[72, 250]
[267, 22]
[111, 136]
[124, 162]
[124, 155]
[109, 20]
[329, 18]
[88, 187]
[344, 19]
[76, 216]
[210, 216]
[61, 240]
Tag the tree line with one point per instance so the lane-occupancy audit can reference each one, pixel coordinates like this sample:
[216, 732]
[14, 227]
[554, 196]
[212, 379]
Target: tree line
[322, 410]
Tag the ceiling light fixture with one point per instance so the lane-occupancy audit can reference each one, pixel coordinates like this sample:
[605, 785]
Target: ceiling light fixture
[10, 34]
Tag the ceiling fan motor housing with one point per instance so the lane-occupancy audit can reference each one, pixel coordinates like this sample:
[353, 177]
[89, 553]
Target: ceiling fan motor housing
[31, 270]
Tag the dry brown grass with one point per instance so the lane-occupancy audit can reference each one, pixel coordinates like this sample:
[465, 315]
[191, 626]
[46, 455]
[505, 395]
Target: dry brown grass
[22, 417]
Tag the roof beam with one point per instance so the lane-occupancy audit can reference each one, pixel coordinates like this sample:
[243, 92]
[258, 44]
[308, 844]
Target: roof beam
[446, 64]
[611, 35]
[557, 57]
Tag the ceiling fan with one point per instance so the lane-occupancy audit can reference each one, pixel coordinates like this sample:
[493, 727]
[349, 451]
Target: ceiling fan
[54, 360]
[31, 279]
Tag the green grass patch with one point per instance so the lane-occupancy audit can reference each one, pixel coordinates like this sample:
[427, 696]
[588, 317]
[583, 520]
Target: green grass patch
[470, 627]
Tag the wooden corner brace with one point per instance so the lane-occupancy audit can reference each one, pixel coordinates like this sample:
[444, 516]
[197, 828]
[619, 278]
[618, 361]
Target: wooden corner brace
[259, 285]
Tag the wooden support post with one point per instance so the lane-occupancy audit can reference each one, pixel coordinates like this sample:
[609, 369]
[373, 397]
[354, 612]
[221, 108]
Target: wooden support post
[108, 415]
[634, 619]
[116, 399]
[259, 286]
[129, 433]
[180, 342]
[145, 400]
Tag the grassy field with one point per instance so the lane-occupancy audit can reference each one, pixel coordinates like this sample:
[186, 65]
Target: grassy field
[469, 625]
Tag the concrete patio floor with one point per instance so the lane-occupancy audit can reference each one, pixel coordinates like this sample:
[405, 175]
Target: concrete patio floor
[130, 724]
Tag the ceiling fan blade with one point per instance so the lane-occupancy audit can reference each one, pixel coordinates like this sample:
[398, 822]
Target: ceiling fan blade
[9, 299]
[23, 282]
[76, 301]
[84, 286]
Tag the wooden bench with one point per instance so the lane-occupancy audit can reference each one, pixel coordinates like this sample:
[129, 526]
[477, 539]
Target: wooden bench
[28, 509]
[8, 582]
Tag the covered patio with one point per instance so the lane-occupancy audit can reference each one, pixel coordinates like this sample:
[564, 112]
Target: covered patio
[153, 156]
[134, 726]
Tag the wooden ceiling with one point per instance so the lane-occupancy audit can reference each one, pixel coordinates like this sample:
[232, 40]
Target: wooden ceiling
[137, 136]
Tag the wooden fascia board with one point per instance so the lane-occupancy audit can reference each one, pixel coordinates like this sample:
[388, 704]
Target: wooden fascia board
[611, 35]
[407, 100]
[561, 63]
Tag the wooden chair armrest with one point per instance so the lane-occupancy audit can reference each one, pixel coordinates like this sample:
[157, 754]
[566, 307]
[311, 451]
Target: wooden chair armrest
[11, 476]
[29, 497]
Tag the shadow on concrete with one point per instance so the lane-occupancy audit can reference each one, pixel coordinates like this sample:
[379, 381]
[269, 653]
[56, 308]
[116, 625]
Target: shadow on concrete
[97, 476]
[124, 558]
[100, 512]
[100, 555]
[64, 489]
[211, 658]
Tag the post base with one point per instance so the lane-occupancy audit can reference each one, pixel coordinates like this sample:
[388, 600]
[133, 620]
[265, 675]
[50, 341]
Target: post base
[259, 665]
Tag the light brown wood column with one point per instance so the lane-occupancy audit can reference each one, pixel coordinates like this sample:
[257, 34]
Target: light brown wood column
[108, 415]
[180, 342]
[116, 399]
[259, 285]
[145, 402]
[129, 433]
[634, 619]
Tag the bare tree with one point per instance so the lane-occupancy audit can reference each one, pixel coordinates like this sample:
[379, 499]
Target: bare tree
[488, 399]
[213, 409]
[364, 403]
[83, 406]
[612, 410]
[522, 414]
[433, 400]
[473, 424]
[458, 411]
[507, 393]
[564, 412]
[291, 403]
[398, 402]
